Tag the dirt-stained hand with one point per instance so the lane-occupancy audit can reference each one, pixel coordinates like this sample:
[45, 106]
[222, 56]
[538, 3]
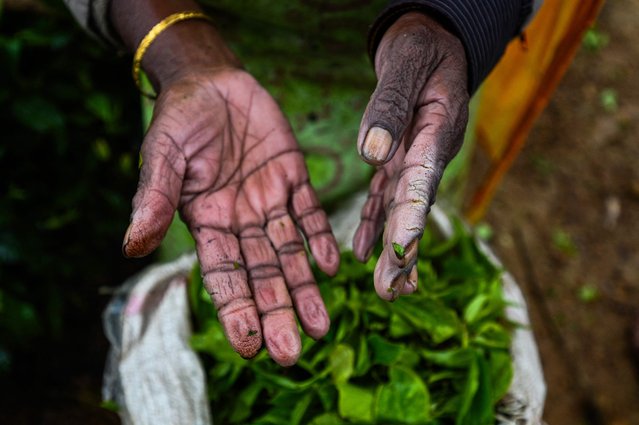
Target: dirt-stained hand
[413, 126]
[220, 151]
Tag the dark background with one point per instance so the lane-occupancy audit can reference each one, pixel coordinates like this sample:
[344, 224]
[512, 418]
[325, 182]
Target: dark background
[71, 128]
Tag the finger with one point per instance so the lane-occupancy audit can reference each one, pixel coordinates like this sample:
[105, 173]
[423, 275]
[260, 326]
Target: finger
[271, 297]
[436, 137]
[307, 300]
[436, 140]
[313, 221]
[374, 212]
[225, 280]
[403, 63]
[411, 282]
[157, 196]
[372, 218]
[392, 281]
[389, 279]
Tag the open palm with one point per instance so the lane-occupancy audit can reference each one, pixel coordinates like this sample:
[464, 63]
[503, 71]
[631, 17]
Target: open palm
[220, 151]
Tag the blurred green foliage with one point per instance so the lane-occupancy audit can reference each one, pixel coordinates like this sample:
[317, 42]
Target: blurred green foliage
[564, 243]
[70, 131]
[594, 39]
[609, 100]
[588, 293]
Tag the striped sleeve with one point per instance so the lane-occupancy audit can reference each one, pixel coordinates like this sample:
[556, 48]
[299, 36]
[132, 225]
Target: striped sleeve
[484, 27]
[93, 16]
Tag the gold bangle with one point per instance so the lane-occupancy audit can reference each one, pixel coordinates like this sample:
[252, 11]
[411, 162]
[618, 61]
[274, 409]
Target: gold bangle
[152, 35]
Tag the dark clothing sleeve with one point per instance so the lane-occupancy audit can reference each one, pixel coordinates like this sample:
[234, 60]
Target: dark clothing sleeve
[484, 27]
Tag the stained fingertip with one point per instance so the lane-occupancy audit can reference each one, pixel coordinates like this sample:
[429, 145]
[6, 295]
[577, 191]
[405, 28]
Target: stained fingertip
[243, 331]
[138, 243]
[411, 282]
[149, 224]
[311, 311]
[362, 246]
[388, 278]
[281, 337]
[326, 253]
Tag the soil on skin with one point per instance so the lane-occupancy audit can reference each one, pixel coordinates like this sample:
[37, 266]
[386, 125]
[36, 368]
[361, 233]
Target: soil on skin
[566, 222]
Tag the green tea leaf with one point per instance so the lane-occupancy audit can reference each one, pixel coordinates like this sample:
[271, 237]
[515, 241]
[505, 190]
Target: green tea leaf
[455, 358]
[377, 306]
[300, 409]
[449, 374]
[399, 250]
[405, 399]
[477, 399]
[501, 373]
[468, 393]
[492, 335]
[274, 379]
[462, 269]
[409, 359]
[341, 363]
[334, 298]
[244, 403]
[384, 352]
[328, 397]
[476, 308]
[327, 419]
[481, 412]
[355, 403]
[431, 316]
[321, 355]
[443, 247]
[363, 361]
[399, 327]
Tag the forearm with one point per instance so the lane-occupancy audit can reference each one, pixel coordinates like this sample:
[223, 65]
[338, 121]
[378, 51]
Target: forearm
[186, 46]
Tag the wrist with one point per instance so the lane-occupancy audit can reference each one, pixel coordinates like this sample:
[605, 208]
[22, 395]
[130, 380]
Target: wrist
[185, 48]
[179, 49]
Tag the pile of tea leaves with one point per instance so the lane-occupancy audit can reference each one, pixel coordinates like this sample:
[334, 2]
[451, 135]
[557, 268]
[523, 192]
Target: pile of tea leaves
[439, 356]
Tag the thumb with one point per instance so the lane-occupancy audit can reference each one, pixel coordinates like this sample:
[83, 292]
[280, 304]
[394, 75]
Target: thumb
[387, 115]
[157, 196]
[404, 64]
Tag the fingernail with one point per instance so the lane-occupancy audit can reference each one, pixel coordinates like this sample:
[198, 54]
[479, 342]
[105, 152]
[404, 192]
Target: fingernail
[125, 241]
[285, 347]
[411, 282]
[412, 276]
[369, 253]
[396, 286]
[314, 319]
[377, 145]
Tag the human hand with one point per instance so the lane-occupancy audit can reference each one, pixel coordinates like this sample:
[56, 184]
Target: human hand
[413, 126]
[220, 151]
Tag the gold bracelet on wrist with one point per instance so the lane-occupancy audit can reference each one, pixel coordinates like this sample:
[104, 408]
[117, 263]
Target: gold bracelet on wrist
[152, 35]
